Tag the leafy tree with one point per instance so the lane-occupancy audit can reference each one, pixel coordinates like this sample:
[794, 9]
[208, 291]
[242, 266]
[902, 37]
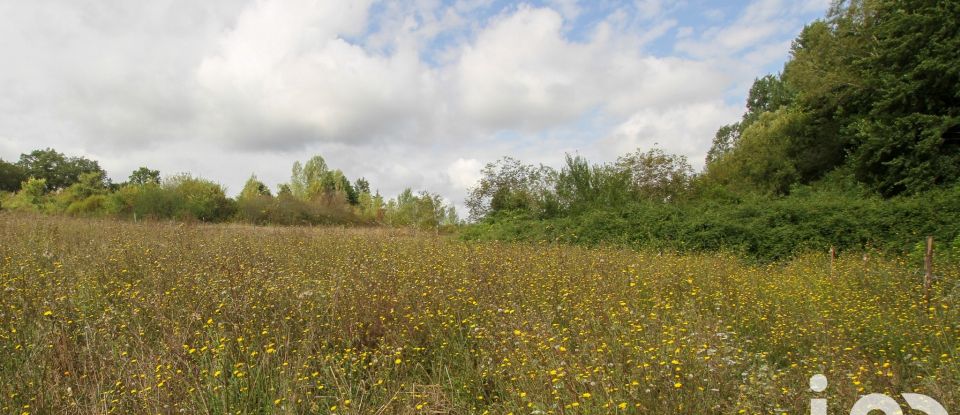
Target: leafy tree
[371, 207]
[452, 219]
[32, 195]
[255, 202]
[284, 190]
[89, 184]
[767, 94]
[760, 160]
[305, 177]
[582, 187]
[58, 170]
[254, 188]
[362, 186]
[423, 210]
[11, 175]
[724, 141]
[143, 176]
[656, 175]
[909, 139]
[509, 185]
[199, 198]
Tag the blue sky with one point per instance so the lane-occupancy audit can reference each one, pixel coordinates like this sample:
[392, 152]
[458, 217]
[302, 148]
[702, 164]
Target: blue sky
[418, 93]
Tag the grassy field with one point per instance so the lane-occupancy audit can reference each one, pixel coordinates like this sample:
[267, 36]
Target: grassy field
[110, 317]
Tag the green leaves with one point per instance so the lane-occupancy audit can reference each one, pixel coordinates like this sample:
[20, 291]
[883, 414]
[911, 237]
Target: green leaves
[878, 86]
[143, 176]
[58, 170]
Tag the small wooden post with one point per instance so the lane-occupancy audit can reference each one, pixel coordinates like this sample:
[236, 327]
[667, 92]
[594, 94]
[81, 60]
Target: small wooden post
[833, 258]
[928, 268]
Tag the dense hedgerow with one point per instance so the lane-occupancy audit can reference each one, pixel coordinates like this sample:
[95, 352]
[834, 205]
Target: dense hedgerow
[760, 227]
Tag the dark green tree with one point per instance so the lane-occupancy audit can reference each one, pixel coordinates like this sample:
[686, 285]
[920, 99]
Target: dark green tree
[362, 186]
[58, 170]
[144, 176]
[11, 175]
[909, 138]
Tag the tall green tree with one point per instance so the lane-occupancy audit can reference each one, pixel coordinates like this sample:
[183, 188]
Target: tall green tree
[509, 185]
[656, 175]
[362, 186]
[909, 138]
[144, 176]
[57, 170]
[725, 140]
[305, 177]
[254, 188]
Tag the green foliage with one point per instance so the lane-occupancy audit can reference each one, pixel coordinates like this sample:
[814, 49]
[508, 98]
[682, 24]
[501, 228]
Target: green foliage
[760, 227]
[255, 209]
[362, 186]
[655, 175]
[180, 197]
[88, 194]
[141, 202]
[725, 140]
[305, 177]
[508, 184]
[907, 154]
[315, 181]
[32, 195]
[94, 205]
[424, 210]
[768, 94]
[199, 199]
[256, 205]
[144, 176]
[58, 170]
[760, 161]
[873, 89]
[316, 195]
[541, 192]
[253, 188]
[909, 139]
[11, 175]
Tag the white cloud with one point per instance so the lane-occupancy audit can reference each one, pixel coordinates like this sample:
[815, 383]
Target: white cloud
[762, 22]
[570, 9]
[649, 9]
[679, 130]
[520, 73]
[419, 93]
[283, 88]
[464, 173]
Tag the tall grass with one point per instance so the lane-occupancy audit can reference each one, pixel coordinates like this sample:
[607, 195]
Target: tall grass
[108, 317]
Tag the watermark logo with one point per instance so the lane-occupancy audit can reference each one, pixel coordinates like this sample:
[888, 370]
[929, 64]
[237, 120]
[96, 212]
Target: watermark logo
[875, 402]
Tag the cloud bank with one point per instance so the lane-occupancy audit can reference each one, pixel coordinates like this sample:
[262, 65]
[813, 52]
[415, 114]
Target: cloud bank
[418, 93]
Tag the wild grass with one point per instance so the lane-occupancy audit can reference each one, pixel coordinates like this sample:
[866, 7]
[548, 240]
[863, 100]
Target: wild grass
[104, 317]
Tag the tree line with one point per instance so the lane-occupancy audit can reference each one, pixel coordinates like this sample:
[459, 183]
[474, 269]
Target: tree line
[854, 144]
[48, 181]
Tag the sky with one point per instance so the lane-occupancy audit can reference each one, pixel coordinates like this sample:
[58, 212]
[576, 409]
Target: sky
[418, 94]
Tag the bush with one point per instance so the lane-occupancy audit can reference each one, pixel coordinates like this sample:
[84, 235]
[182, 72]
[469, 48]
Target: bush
[199, 199]
[761, 227]
[91, 206]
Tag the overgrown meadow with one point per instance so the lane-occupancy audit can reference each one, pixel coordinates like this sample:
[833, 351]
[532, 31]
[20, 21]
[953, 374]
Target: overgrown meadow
[111, 317]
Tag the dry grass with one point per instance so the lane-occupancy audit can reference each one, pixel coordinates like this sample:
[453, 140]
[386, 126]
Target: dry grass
[108, 317]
